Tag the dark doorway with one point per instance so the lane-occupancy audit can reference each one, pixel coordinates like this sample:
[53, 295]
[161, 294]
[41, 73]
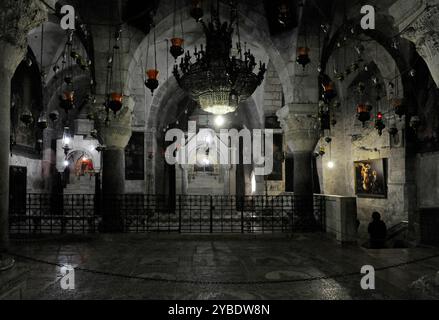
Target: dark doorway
[17, 189]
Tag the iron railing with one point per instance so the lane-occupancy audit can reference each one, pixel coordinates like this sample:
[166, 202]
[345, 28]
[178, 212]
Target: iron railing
[85, 213]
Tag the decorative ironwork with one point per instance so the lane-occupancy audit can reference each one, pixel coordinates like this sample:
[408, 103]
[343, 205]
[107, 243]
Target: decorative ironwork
[84, 214]
[218, 81]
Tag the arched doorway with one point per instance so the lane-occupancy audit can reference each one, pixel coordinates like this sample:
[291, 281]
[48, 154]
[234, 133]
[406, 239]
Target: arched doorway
[79, 173]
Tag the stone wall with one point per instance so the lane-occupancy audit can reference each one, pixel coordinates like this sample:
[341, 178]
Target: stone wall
[35, 180]
[272, 92]
[427, 176]
[351, 141]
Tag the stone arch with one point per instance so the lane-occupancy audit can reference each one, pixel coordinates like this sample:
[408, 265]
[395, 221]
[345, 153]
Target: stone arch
[374, 52]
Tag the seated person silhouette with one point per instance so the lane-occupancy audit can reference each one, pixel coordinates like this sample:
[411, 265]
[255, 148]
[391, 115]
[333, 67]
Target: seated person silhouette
[377, 231]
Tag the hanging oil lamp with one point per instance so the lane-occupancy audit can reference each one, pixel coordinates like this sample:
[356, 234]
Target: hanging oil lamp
[379, 123]
[197, 10]
[42, 122]
[363, 112]
[67, 141]
[27, 118]
[322, 151]
[398, 106]
[67, 101]
[283, 13]
[54, 116]
[152, 83]
[329, 92]
[114, 102]
[303, 56]
[393, 130]
[415, 122]
[177, 47]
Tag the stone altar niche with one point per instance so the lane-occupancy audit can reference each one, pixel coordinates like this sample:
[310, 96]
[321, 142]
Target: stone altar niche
[88, 146]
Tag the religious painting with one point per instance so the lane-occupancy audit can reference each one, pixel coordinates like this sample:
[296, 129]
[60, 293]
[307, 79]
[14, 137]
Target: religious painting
[371, 178]
[135, 157]
[278, 159]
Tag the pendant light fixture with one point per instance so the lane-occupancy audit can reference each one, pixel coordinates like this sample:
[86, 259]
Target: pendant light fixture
[152, 82]
[114, 76]
[177, 43]
[197, 11]
[67, 98]
[215, 77]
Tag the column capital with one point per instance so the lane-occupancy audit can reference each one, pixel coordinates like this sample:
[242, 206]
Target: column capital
[17, 18]
[418, 23]
[117, 133]
[301, 125]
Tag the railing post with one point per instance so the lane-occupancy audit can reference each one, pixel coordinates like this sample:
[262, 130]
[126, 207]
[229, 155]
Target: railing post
[242, 213]
[179, 213]
[211, 214]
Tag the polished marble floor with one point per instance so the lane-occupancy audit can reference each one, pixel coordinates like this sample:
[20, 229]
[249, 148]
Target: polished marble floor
[216, 267]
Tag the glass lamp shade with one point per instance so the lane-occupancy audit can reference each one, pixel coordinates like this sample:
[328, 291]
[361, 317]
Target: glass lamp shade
[177, 47]
[363, 111]
[218, 102]
[42, 122]
[26, 117]
[66, 138]
[329, 91]
[67, 101]
[115, 101]
[152, 83]
[197, 10]
[303, 56]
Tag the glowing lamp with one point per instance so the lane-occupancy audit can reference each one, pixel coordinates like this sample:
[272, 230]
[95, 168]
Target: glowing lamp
[363, 112]
[177, 47]
[115, 102]
[67, 101]
[379, 123]
[329, 92]
[303, 56]
[152, 83]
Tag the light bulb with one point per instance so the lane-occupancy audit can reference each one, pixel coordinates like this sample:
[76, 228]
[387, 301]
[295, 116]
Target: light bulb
[219, 121]
[331, 165]
[66, 163]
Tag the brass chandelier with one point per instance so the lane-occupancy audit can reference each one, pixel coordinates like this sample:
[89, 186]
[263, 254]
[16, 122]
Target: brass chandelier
[216, 80]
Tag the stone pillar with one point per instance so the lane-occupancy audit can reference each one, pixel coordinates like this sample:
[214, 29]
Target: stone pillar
[184, 171]
[418, 21]
[302, 132]
[115, 135]
[17, 18]
[113, 164]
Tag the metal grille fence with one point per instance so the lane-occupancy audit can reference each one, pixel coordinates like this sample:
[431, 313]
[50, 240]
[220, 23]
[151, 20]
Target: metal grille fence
[82, 214]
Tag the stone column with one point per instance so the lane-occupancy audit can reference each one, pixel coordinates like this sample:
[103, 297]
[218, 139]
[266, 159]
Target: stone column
[17, 18]
[302, 132]
[418, 21]
[184, 171]
[115, 135]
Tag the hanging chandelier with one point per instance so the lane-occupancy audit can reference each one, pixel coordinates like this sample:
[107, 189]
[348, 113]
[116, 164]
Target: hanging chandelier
[216, 80]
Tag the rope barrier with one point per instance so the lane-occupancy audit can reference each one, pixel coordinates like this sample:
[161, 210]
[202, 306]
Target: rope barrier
[201, 282]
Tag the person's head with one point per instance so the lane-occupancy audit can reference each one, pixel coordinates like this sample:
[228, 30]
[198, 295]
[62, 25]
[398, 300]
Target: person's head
[376, 216]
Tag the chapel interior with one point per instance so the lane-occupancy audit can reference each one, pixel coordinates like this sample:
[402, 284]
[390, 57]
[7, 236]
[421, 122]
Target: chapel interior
[98, 97]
